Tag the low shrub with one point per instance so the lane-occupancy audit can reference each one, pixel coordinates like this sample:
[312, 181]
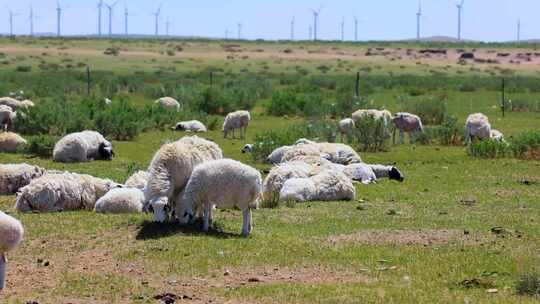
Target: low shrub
[526, 144]
[431, 110]
[529, 285]
[448, 133]
[372, 134]
[489, 149]
[521, 105]
[40, 145]
[23, 68]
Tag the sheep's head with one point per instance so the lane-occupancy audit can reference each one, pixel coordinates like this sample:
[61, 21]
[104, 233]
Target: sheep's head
[160, 208]
[184, 212]
[395, 174]
[106, 151]
[247, 148]
[179, 127]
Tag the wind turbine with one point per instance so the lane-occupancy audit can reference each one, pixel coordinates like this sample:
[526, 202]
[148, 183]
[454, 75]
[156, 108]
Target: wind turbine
[156, 15]
[239, 30]
[310, 36]
[519, 31]
[110, 7]
[418, 15]
[126, 16]
[58, 19]
[342, 24]
[11, 15]
[31, 18]
[167, 25]
[292, 28]
[99, 7]
[315, 21]
[355, 28]
[460, 9]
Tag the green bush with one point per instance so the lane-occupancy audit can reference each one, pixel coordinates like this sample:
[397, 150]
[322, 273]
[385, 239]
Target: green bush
[23, 68]
[489, 149]
[529, 285]
[431, 110]
[521, 105]
[372, 134]
[448, 133]
[282, 103]
[40, 145]
[526, 144]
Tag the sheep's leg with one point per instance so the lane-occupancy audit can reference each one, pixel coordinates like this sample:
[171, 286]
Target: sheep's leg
[246, 226]
[3, 263]
[233, 133]
[394, 136]
[206, 217]
[401, 136]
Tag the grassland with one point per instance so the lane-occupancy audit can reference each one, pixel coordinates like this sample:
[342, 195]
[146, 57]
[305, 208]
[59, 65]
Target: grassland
[427, 240]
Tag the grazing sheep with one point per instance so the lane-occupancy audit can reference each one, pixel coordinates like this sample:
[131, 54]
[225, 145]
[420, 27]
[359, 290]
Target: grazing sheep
[138, 180]
[170, 170]
[385, 115]
[496, 135]
[7, 116]
[276, 156]
[248, 148]
[406, 122]
[210, 185]
[169, 103]
[81, 147]
[236, 120]
[15, 176]
[64, 191]
[327, 185]
[10, 142]
[190, 126]
[121, 200]
[346, 129]
[11, 234]
[477, 126]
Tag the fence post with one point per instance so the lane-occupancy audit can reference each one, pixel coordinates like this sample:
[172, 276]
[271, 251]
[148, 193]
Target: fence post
[357, 87]
[88, 80]
[503, 102]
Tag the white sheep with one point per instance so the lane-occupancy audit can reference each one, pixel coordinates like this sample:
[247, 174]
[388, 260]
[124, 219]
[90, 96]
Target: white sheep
[406, 122]
[7, 116]
[304, 141]
[276, 156]
[11, 142]
[346, 129]
[121, 200]
[170, 170]
[236, 120]
[82, 146]
[169, 103]
[496, 135]
[280, 173]
[15, 176]
[27, 103]
[11, 234]
[334, 152]
[13, 103]
[327, 185]
[385, 115]
[224, 183]
[248, 148]
[477, 126]
[138, 180]
[190, 126]
[367, 174]
[64, 191]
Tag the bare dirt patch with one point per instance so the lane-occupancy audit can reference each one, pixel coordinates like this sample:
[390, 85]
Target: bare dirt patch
[421, 237]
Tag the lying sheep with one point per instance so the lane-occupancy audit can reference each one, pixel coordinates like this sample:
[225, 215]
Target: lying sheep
[276, 156]
[496, 135]
[406, 122]
[190, 126]
[248, 148]
[7, 116]
[304, 141]
[121, 200]
[61, 192]
[279, 174]
[210, 185]
[81, 147]
[301, 150]
[367, 174]
[11, 234]
[334, 152]
[11, 142]
[13, 103]
[477, 126]
[170, 170]
[236, 120]
[346, 129]
[327, 185]
[15, 176]
[169, 103]
[137, 180]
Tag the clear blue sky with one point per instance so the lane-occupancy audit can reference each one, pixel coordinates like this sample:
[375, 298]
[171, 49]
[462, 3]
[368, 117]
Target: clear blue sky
[489, 20]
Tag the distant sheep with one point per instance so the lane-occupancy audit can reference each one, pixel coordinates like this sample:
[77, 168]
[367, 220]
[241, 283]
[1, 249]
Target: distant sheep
[170, 170]
[121, 200]
[334, 152]
[248, 148]
[62, 192]
[190, 126]
[236, 120]
[406, 122]
[137, 180]
[496, 135]
[169, 103]
[81, 147]
[477, 126]
[276, 156]
[11, 234]
[210, 185]
[7, 116]
[15, 176]
[346, 129]
[385, 115]
[11, 142]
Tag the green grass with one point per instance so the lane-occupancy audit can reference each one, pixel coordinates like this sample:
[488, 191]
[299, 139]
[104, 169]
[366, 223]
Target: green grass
[126, 259]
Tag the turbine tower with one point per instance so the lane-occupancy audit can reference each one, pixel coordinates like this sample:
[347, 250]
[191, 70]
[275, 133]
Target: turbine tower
[460, 10]
[315, 21]
[292, 28]
[156, 15]
[110, 7]
[126, 16]
[418, 15]
[310, 35]
[31, 18]
[226, 34]
[11, 15]
[342, 24]
[355, 28]
[519, 31]
[239, 30]
[99, 7]
[58, 19]
[167, 25]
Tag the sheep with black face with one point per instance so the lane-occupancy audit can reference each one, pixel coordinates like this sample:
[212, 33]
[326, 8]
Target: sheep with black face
[81, 147]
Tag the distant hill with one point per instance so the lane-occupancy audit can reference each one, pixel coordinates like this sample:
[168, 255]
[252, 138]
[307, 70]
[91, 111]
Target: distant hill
[445, 39]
